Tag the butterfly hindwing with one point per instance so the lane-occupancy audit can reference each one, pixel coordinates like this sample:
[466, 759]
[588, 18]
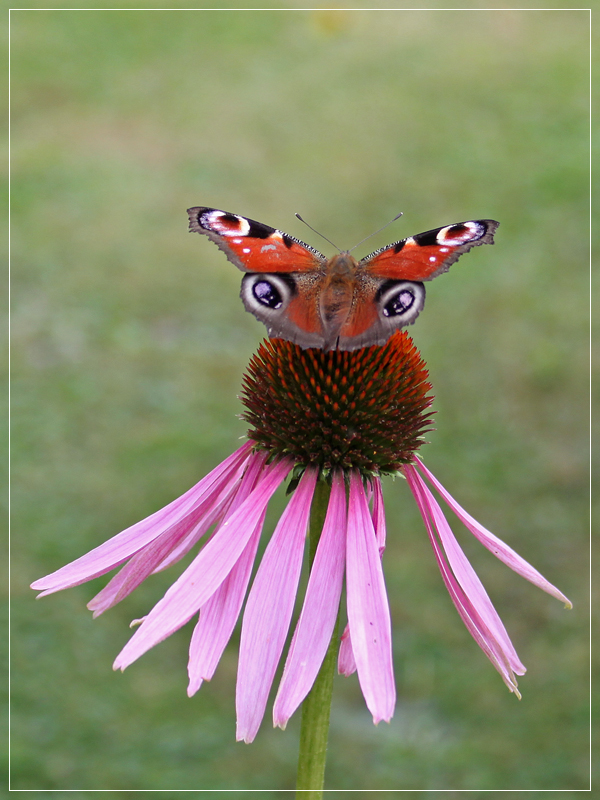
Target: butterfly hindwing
[427, 255]
[380, 308]
[252, 246]
[288, 305]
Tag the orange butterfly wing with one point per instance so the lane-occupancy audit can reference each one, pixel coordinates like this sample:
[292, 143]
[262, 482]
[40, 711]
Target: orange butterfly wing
[427, 255]
[252, 246]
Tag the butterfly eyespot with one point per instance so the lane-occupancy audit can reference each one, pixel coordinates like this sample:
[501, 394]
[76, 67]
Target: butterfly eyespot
[461, 233]
[399, 304]
[267, 294]
[224, 224]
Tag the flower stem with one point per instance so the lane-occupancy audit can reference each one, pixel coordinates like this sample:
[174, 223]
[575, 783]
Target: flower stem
[314, 728]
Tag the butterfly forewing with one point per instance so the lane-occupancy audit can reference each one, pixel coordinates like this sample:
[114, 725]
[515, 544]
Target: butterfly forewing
[427, 255]
[252, 246]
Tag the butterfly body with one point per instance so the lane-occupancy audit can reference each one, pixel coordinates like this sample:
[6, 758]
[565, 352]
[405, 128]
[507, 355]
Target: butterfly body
[340, 302]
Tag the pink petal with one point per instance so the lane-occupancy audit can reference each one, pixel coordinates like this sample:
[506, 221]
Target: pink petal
[225, 505]
[368, 611]
[169, 547]
[475, 625]
[218, 513]
[319, 612]
[346, 661]
[148, 560]
[269, 609]
[493, 544]
[379, 515]
[466, 575]
[206, 572]
[219, 614]
[470, 609]
[133, 539]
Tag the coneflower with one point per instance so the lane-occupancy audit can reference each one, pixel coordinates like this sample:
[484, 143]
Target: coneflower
[336, 420]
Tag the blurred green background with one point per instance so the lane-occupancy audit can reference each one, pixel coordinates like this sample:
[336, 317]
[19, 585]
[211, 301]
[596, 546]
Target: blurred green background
[129, 344]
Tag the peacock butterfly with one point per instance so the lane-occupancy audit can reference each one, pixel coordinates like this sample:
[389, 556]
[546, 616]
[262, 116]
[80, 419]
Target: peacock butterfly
[338, 302]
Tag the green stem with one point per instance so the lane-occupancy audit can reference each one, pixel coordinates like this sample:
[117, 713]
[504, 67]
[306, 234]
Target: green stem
[314, 728]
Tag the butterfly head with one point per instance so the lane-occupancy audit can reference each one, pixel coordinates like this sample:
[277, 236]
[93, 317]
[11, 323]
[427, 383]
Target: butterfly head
[342, 265]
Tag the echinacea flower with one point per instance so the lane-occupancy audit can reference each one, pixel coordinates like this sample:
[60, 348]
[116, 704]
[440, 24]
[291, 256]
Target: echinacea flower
[346, 418]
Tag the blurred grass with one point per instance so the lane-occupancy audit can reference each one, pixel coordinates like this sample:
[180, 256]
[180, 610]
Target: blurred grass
[129, 342]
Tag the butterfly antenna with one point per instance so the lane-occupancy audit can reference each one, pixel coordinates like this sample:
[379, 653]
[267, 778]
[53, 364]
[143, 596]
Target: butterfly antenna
[317, 232]
[377, 231]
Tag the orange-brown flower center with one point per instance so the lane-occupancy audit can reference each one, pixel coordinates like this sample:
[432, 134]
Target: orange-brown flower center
[363, 409]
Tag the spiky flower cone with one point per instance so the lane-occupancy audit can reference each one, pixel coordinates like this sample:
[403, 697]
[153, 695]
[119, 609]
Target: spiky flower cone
[361, 409]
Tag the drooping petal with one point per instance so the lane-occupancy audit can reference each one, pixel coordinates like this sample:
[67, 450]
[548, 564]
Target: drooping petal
[493, 543]
[176, 541]
[477, 612]
[269, 609]
[368, 611]
[346, 660]
[197, 532]
[237, 492]
[152, 557]
[379, 515]
[321, 603]
[207, 571]
[219, 614]
[466, 575]
[475, 625]
[130, 541]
